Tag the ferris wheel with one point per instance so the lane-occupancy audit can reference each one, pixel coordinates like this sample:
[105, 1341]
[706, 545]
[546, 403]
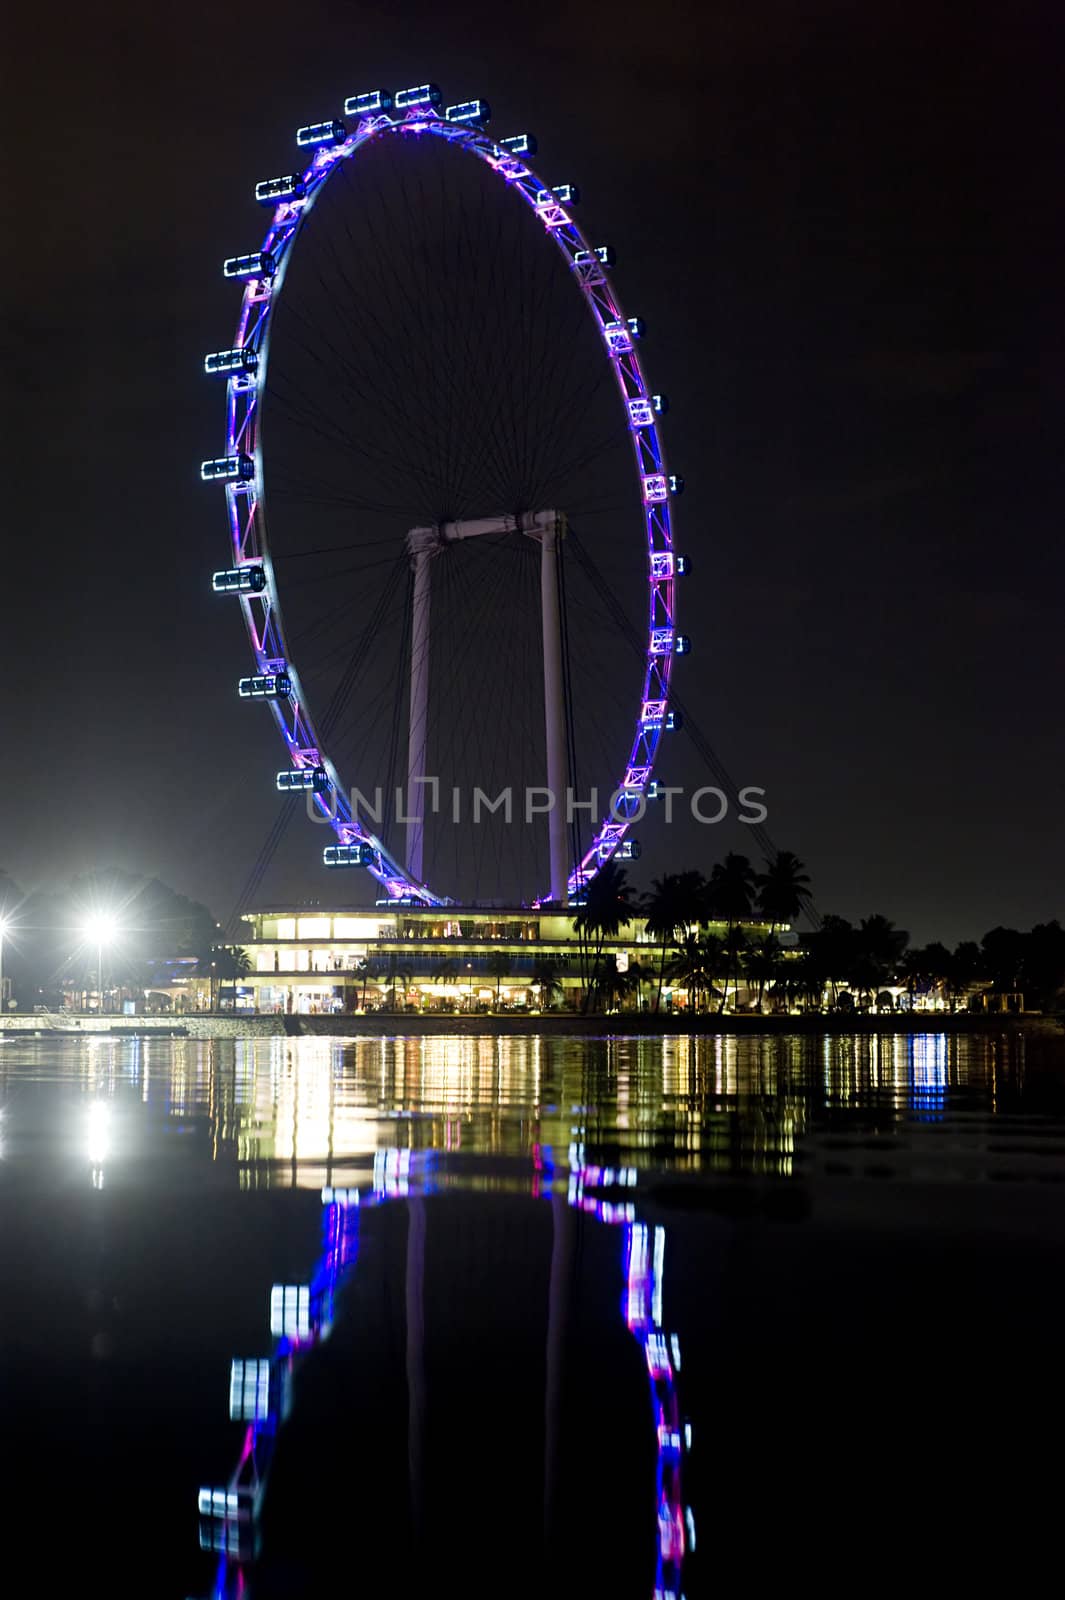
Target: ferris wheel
[405, 121]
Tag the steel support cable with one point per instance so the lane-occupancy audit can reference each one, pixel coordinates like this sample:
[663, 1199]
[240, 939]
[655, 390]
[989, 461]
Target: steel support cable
[366, 321]
[281, 823]
[759, 833]
[479, 642]
[328, 426]
[490, 730]
[401, 679]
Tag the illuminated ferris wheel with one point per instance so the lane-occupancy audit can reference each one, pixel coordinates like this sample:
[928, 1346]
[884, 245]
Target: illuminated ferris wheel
[407, 379]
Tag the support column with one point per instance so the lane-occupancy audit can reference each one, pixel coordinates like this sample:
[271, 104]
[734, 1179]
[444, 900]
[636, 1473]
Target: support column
[422, 543]
[554, 706]
[415, 1309]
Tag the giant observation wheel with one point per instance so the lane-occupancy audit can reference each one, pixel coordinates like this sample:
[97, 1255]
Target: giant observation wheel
[408, 115]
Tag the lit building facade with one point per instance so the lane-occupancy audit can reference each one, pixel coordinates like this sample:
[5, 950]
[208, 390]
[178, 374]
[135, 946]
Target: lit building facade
[450, 958]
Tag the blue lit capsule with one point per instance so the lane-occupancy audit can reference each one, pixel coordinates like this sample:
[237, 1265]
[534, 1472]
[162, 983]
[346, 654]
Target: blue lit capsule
[230, 361]
[347, 855]
[660, 403]
[290, 187]
[519, 144]
[674, 722]
[321, 133]
[676, 483]
[468, 111]
[682, 565]
[239, 580]
[603, 254]
[423, 94]
[228, 469]
[265, 686]
[682, 645]
[249, 1391]
[628, 850]
[566, 194]
[636, 326]
[260, 264]
[299, 778]
[372, 103]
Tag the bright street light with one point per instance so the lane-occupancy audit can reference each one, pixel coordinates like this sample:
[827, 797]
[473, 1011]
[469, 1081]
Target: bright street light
[100, 927]
[5, 924]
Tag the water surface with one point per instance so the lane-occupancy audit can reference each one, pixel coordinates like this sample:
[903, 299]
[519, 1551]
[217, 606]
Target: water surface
[851, 1250]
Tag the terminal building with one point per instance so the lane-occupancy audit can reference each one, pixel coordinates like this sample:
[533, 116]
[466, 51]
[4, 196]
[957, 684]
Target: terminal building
[450, 958]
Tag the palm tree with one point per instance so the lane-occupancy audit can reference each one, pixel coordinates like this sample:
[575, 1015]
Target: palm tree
[762, 963]
[638, 976]
[734, 945]
[499, 965]
[732, 888]
[833, 948]
[965, 969]
[369, 969]
[696, 964]
[613, 984]
[879, 947]
[677, 901]
[782, 889]
[606, 910]
[548, 979]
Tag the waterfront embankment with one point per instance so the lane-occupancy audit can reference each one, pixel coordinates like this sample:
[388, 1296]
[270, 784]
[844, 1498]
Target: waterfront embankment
[382, 1024]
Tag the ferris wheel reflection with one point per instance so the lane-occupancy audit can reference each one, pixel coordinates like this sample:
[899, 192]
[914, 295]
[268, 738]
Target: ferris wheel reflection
[303, 1315]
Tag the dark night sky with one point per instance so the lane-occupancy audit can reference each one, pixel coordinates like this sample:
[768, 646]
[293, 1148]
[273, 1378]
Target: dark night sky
[843, 229]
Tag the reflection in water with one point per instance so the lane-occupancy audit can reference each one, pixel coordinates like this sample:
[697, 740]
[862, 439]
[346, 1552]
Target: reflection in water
[301, 1112]
[156, 1189]
[302, 1316]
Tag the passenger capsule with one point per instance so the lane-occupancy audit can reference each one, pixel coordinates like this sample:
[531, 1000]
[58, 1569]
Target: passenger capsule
[260, 264]
[602, 253]
[230, 361]
[628, 850]
[519, 144]
[660, 403]
[682, 645]
[636, 326]
[618, 338]
[347, 855]
[228, 469]
[298, 778]
[249, 1391]
[290, 187]
[423, 94]
[566, 194]
[265, 686]
[321, 133]
[468, 111]
[373, 103]
[676, 483]
[239, 580]
[682, 566]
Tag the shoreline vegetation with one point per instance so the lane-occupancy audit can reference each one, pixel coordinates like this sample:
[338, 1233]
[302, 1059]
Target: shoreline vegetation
[699, 952]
